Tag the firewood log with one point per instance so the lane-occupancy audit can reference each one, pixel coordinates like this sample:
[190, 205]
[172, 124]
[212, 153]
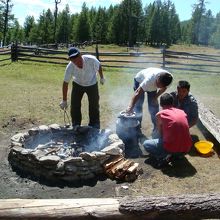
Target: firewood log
[133, 168]
[111, 171]
[111, 162]
[122, 172]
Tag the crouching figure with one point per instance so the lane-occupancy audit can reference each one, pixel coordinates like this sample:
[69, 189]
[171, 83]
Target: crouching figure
[174, 136]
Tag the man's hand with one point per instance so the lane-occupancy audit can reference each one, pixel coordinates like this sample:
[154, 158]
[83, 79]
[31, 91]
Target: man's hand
[128, 110]
[102, 81]
[63, 105]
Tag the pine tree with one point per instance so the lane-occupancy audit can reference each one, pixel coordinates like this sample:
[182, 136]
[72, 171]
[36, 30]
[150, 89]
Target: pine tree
[199, 10]
[6, 7]
[100, 25]
[64, 26]
[28, 25]
[46, 27]
[83, 26]
[206, 28]
[215, 38]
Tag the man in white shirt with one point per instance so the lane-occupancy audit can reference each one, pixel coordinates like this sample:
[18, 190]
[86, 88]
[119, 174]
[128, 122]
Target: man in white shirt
[154, 82]
[82, 69]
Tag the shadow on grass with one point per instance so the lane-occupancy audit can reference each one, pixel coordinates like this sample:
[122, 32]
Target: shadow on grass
[134, 150]
[179, 168]
[5, 64]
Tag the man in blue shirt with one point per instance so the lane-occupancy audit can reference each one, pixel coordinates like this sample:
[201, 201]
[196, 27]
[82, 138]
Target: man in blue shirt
[184, 100]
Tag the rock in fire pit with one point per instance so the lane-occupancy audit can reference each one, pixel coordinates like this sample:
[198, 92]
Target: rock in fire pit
[59, 153]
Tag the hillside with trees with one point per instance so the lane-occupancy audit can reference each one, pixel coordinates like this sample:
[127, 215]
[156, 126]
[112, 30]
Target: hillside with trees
[128, 23]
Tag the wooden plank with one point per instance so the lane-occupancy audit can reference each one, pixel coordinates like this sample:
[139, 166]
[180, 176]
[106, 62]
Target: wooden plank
[59, 209]
[209, 120]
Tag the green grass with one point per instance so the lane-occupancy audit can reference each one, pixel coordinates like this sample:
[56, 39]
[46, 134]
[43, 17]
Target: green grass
[32, 91]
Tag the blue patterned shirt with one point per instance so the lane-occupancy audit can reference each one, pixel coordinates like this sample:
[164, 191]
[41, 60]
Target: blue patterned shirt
[188, 105]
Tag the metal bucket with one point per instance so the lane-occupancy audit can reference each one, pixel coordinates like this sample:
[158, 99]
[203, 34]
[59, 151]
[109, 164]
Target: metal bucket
[127, 127]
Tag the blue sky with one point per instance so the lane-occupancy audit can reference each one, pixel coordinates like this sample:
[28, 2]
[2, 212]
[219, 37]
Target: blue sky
[23, 8]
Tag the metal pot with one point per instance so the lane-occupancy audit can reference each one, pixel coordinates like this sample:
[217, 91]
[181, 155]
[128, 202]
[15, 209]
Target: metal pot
[127, 126]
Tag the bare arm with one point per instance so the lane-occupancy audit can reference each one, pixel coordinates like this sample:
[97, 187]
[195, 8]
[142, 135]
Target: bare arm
[101, 72]
[65, 90]
[160, 91]
[134, 99]
[159, 124]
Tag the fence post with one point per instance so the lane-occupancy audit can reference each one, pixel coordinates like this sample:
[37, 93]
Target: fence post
[164, 54]
[97, 51]
[14, 52]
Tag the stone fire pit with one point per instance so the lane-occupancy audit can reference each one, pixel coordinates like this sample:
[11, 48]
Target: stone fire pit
[59, 153]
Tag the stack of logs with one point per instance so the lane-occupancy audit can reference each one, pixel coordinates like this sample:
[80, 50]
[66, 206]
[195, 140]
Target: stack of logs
[122, 169]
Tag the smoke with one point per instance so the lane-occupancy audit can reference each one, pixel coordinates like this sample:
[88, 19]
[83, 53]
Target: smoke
[118, 100]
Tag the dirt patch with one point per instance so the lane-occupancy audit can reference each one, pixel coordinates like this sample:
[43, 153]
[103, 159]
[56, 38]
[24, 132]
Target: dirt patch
[193, 174]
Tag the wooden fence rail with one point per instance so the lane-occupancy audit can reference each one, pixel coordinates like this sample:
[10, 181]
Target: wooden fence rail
[5, 54]
[109, 59]
[183, 61]
[196, 62]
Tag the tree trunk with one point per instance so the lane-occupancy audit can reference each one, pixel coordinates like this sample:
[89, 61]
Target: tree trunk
[179, 207]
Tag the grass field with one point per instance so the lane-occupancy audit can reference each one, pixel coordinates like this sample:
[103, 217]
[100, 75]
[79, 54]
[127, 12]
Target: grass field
[32, 91]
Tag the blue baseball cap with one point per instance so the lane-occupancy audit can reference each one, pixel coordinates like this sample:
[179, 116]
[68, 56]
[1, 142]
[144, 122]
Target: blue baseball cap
[73, 52]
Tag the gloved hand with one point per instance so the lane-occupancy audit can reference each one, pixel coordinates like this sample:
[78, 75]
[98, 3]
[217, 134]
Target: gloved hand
[63, 105]
[102, 80]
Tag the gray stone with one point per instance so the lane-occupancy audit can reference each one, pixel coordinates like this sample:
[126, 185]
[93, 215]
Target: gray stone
[33, 131]
[50, 159]
[55, 126]
[113, 150]
[44, 128]
[18, 138]
[87, 156]
[60, 166]
[113, 138]
[72, 160]
[70, 168]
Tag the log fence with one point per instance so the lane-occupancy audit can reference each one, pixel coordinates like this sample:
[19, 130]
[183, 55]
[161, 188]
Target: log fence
[185, 61]
[5, 54]
[108, 59]
[132, 58]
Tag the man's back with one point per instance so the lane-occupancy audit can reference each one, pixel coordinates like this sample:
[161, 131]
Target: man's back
[175, 130]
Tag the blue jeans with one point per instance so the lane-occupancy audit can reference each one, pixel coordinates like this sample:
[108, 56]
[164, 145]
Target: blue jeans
[155, 148]
[152, 106]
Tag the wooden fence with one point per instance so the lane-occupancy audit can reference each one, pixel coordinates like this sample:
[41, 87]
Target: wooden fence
[5, 54]
[196, 62]
[132, 58]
